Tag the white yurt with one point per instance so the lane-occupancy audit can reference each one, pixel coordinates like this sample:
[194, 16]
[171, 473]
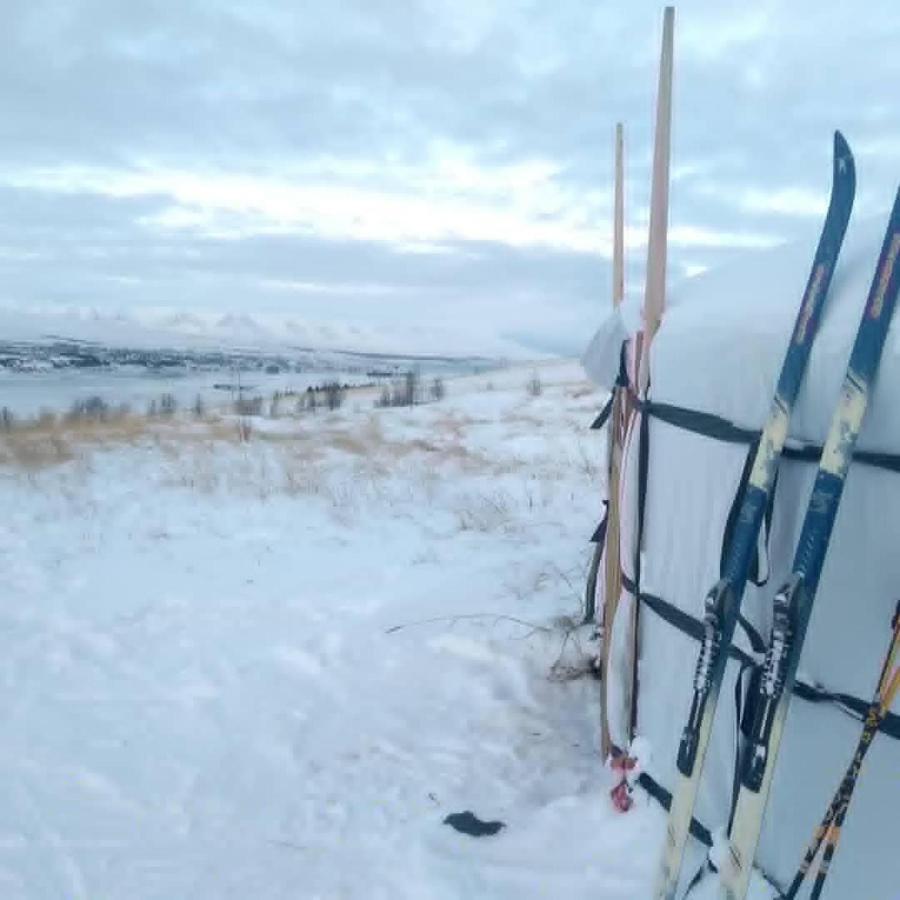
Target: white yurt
[713, 366]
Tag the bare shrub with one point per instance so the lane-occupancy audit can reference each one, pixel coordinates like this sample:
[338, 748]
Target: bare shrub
[406, 392]
[334, 395]
[92, 409]
[487, 512]
[410, 388]
[167, 405]
[248, 406]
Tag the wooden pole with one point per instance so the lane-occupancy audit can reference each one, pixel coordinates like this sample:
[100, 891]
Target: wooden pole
[612, 581]
[619, 221]
[654, 295]
[657, 245]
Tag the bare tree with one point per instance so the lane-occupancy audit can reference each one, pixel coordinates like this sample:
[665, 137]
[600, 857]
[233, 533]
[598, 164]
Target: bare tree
[334, 395]
[385, 399]
[410, 388]
[167, 405]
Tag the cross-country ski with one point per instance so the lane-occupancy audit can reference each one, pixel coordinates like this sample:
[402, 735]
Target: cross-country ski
[793, 604]
[723, 602]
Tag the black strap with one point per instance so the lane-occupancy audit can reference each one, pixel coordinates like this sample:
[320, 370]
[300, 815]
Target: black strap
[813, 693]
[664, 798]
[755, 638]
[855, 707]
[699, 422]
[622, 379]
[692, 627]
[761, 580]
[736, 503]
[590, 587]
[707, 866]
[601, 419]
[720, 429]
[755, 575]
[741, 710]
[599, 535]
[752, 691]
[643, 469]
[620, 383]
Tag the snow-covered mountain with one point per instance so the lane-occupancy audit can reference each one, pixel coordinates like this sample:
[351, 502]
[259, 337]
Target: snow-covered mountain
[199, 330]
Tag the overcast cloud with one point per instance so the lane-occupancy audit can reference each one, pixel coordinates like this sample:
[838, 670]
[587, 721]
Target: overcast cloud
[439, 163]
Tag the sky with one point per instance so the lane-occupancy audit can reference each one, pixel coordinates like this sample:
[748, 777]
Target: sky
[396, 164]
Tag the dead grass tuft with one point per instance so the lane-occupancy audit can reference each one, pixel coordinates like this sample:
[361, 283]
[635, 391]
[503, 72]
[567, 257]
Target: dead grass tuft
[33, 446]
[579, 391]
[485, 512]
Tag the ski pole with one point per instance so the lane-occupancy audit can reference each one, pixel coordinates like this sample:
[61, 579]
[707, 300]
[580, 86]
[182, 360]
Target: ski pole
[834, 832]
[829, 830]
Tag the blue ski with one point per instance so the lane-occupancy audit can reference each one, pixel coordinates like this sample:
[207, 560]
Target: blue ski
[723, 602]
[793, 603]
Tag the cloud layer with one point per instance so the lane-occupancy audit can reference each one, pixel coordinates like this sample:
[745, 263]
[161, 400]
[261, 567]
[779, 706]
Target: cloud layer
[415, 161]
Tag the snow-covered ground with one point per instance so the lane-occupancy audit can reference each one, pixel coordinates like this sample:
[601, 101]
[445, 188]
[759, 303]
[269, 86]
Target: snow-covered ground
[269, 669]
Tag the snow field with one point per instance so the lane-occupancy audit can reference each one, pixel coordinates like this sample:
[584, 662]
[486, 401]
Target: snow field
[207, 691]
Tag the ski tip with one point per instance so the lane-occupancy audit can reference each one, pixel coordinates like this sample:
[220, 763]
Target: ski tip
[844, 166]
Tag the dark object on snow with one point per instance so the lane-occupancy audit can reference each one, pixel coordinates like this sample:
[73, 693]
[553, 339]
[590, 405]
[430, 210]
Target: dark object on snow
[468, 823]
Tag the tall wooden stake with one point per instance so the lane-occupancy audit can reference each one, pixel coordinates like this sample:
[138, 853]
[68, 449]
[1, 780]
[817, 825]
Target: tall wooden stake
[654, 294]
[619, 221]
[612, 570]
[657, 245]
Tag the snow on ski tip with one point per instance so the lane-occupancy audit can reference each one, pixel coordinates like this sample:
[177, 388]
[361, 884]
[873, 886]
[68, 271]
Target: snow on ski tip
[722, 604]
[793, 604]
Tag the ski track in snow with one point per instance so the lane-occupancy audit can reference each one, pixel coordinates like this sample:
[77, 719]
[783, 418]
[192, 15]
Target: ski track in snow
[204, 697]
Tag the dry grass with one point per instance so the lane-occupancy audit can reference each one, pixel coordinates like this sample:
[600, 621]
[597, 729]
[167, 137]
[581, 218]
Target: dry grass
[455, 425]
[485, 512]
[579, 391]
[33, 446]
[38, 445]
[297, 458]
[293, 463]
[525, 415]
